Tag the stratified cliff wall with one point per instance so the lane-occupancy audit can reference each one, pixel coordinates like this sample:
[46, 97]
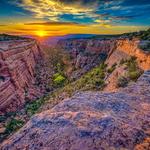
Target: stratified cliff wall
[131, 47]
[86, 53]
[17, 68]
[115, 49]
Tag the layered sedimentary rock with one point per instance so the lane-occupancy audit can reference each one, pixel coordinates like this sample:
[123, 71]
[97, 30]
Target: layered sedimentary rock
[86, 51]
[131, 47]
[17, 73]
[91, 121]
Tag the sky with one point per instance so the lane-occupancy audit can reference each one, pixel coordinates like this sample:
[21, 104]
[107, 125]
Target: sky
[61, 17]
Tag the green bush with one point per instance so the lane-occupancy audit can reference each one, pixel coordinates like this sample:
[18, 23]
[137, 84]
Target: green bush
[92, 80]
[122, 82]
[113, 67]
[110, 70]
[32, 107]
[134, 75]
[59, 80]
[13, 125]
[133, 71]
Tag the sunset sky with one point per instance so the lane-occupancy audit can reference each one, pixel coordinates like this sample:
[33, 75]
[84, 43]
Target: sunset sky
[60, 17]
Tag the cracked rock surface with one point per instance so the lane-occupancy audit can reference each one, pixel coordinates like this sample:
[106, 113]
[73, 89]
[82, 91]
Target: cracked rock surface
[91, 121]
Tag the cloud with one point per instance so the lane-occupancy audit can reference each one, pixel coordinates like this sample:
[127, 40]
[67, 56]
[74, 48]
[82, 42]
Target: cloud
[53, 23]
[52, 9]
[79, 12]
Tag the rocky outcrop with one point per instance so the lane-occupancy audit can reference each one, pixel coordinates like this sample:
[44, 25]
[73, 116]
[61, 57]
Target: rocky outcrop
[132, 49]
[17, 73]
[91, 120]
[86, 51]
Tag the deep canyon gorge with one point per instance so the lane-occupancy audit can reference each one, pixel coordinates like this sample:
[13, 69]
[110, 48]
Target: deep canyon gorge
[109, 116]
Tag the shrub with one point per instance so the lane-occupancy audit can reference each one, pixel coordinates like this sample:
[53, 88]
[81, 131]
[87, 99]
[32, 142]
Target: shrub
[113, 67]
[110, 70]
[134, 75]
[32, 107]
[122, 82]
[13, 125]
[99, 84]
[133, 71]
[59, 80]
[122, 61]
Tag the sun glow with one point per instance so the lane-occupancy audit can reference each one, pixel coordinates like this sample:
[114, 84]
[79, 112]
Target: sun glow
[41, 33]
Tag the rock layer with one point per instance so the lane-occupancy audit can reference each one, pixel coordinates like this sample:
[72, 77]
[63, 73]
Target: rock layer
[86, 54]
[82, 51]
[91, 121]
[17, 67]
[131, 48]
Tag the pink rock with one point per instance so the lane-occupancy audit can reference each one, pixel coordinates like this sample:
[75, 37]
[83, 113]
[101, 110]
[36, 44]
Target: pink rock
[17, 67]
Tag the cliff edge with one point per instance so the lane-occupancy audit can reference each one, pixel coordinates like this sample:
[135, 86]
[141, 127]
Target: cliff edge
[18, 59]
[91, 121]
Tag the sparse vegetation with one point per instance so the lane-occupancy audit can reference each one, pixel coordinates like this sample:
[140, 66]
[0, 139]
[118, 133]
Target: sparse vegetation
[145, 46]
[122, 82]
[133, 71]
[92, 80]
[123, 61]
[6, 37]
[143, 35]
[59, 80]
[113, 67]
[14, 125]
[32, 107]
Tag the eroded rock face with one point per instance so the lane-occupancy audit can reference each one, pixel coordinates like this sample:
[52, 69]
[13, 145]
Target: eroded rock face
[91, 121]
[131, 48]
[86, 52]
[17, 68]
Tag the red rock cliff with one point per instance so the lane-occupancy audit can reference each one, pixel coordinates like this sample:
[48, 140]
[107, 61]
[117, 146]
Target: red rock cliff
[17, 67]
[116, 49]
[131, 47]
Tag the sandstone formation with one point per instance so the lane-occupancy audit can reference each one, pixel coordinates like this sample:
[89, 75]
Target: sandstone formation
[91, 121]
[85, 54]
[86, 51]
[131, 48]
[17, 67]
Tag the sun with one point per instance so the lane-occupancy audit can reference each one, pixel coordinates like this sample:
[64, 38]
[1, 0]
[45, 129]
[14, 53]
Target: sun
[41, 33]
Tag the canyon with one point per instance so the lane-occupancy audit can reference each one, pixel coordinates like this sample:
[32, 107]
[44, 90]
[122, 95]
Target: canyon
[17, 73]
[114, 49]
[19, 58]
[108, 119]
